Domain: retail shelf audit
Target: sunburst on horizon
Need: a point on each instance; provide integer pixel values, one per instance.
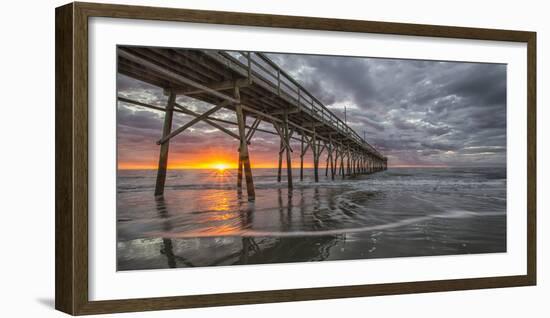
(220, 167)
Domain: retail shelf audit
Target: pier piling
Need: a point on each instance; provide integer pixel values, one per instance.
(163, 156)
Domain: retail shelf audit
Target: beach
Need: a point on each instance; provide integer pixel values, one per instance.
(202, 220)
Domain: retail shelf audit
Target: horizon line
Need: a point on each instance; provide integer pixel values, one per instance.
(275, 167)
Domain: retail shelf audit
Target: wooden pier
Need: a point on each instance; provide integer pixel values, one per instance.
(256, 89)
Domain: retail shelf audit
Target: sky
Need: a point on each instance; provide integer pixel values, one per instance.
(417, 113)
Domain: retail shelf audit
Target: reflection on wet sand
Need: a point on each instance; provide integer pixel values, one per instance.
(213, 226)
(167, 248)
(249, 251)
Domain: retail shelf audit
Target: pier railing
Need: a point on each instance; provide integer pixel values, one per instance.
(258, 67)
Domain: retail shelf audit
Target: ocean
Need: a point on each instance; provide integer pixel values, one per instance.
(403, 212)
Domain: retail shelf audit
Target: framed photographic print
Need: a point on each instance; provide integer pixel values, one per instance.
(218, 158)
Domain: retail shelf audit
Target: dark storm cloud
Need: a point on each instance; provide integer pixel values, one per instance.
(418, 112)
(138, 118)
(437, 145)
(415, 112)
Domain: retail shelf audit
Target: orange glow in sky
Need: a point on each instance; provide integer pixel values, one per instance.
(205, 165)
(219, 162)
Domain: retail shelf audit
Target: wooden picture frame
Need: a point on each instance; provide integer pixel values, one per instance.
(72, 280)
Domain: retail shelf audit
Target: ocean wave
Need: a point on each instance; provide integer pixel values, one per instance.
(374, 185)
(453, 214)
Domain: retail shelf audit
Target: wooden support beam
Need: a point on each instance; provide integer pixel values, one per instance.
(352, 172)
(169, 61)
(336, 165)
(280, 166)
(240, 174)
(322, 148)
(342, 169)
(331, 158)
(312, 124)
(279, 82)
(288, 156)
(326, 167)
(221, 86)
(163, 156)
(195, 58)
(179, 108)
(207, 120)
(314, 147)
(252, 129)
(243, 149)
(349, 161)
(328, 147)
(302, 152)
(172, 75)
(191, 123)
(249, 67)
(270, 100)
(275, 119)
(135, 102)
(280, 131)
(371, 165)
(336, 157)
(308, 142)
(172, 60)
(287, 111)
(240, 165)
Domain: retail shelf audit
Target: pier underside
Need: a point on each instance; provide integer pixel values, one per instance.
(258, 91)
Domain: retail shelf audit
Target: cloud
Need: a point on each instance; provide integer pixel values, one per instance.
(415, 111)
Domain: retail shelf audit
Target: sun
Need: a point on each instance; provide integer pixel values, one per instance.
(220, 166)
